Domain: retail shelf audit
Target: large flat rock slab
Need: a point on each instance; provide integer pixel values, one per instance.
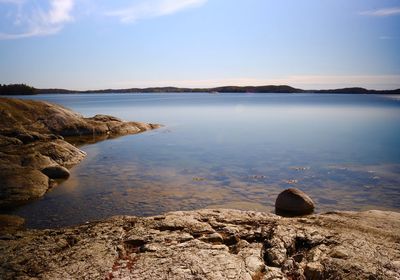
(211, 244)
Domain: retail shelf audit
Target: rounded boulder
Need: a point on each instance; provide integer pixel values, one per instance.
(293, 202)
(56, 172)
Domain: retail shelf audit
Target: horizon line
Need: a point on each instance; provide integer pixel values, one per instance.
(216, 87)
(201, 88)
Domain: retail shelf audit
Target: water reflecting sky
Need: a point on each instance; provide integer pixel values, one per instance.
(230, 150)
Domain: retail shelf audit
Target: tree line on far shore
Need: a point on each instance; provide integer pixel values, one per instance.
(17, 89)
(23, 89)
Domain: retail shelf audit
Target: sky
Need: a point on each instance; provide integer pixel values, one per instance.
(99, 44)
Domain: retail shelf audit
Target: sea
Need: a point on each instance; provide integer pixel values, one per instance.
(228, 150)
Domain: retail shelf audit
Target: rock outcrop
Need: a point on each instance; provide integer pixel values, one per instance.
(33, 151)
(210, 244)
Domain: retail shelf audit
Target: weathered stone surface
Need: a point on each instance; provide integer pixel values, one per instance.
(31, 139)
(35, 160)
(6, 141)
(314, 271)
(10, 224)
(20, 184)
(35, 120)
(211, 244)
(56, 172)
(293, 202)
(59, 151)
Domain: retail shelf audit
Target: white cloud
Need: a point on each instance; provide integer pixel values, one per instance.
(382, 12)
(153, 8)
(26, 18)
(35, 21)
(60, 11)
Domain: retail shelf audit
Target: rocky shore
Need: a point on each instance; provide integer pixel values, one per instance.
(210, 244)
(203, 244)
(33, 151)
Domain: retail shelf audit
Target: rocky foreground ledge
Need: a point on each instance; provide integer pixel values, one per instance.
(33, 151)
(210, 244)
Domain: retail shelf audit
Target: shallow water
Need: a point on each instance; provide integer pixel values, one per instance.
(229, 150)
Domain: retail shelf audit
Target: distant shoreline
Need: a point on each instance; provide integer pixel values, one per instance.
(20, 90)
(227, 89)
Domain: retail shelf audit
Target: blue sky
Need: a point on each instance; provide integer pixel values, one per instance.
(94, 44)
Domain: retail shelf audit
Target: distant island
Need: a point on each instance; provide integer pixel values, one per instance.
(22, 89)
(17, 89)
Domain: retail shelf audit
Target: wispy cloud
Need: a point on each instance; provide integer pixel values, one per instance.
(26, 18)
(153, 8)
(382, 12)
(37, 21)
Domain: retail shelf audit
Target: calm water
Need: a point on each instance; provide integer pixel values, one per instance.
(230, 150)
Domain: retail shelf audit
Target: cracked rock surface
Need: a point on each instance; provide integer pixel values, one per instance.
(32, 139)
(210, 244)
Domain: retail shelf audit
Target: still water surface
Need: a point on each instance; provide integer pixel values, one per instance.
(229, 150)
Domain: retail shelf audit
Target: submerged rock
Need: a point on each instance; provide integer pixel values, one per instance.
(210, 244)
(293, 202)
(32, 144)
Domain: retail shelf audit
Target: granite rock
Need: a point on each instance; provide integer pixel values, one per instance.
(293, 202)
(211, 244)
